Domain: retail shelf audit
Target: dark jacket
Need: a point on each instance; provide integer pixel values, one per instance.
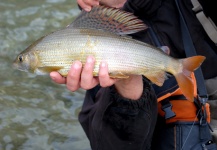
(112, 122)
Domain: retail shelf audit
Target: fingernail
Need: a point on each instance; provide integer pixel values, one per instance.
(103, 64)
(89, 59)
(76, 65)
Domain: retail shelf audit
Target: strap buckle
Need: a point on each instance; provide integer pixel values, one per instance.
(203, 117)
(167, 108)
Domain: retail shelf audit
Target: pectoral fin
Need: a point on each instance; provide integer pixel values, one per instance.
(47, 69)
(118, 75)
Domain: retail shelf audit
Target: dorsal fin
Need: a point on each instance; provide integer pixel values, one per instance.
(109, 19)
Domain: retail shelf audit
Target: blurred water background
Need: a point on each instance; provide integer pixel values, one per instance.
(35, 113)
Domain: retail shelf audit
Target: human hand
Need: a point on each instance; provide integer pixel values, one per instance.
(113, 3)
(83, 78)
(87, 4)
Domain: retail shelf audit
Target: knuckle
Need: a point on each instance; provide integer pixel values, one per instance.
(85, 87)
(72, 88)
(71, 76)
(103, 75)
(104, 84)
(86, 1)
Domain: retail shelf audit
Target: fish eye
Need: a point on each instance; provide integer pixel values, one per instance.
(20, 58)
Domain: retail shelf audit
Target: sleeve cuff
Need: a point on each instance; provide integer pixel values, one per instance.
(147, 95)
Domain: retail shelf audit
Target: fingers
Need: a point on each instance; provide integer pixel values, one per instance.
(104, 78)
(82, 77)
(56, 77)
(87, 79)
(73, 77)
(87, 4)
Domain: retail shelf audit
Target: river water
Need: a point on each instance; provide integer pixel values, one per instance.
(35, 113)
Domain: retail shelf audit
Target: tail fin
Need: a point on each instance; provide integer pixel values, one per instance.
(184, 79)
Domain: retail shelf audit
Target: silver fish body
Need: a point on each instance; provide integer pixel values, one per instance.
(101, 33)
(123, 55)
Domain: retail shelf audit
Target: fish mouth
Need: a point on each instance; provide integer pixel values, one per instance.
(16, 66)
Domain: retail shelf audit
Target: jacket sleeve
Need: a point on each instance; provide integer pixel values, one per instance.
(112, 122)
(144, 8)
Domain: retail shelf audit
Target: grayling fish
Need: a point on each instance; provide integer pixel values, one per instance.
(98, 33)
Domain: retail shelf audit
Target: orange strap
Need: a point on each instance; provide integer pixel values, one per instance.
(184, 109)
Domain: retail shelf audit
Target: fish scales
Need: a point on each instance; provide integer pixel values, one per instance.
(126, 52)
(102, 34)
